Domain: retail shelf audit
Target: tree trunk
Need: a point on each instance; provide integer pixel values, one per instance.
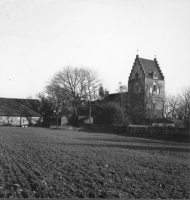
(90, 110)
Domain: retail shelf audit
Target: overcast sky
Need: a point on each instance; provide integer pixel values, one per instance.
(40, 37)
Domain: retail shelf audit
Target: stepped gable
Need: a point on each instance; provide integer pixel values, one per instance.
(155, 60)
(151, 66)
(148, 67)
(19, 107)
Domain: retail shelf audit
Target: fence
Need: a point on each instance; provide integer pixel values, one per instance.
(140, 130)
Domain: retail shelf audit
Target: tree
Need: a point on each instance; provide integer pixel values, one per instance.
(91, 88)
(178, 106)
(123, 99)
(172, 106)
(184, 106)
(165, 110)
(47, 107)
(103, 92)
(71, 81)
(107, 112)
(52, 99)
(71, 87)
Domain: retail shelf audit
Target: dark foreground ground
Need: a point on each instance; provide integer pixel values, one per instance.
(37, 163)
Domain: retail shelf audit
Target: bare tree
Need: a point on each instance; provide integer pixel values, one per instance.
(55, 95)
(123, 98)
(166, 107)
(47, 107)
(91, 88)
(103, 92)
(72, 86)
(172, 106)
(71, 82)
(184, 106)
(178, 106)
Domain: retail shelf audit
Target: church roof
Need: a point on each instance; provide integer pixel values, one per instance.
(19, 107)
(150, 66)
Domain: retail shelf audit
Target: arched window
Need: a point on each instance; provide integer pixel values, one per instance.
(155, 76)
(137, 88)
(154, 89)
(150, 89)
(137, 75)
(158, 90)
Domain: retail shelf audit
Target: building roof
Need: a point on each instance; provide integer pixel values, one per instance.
(19, 107)
(115, 96)
(149, 67)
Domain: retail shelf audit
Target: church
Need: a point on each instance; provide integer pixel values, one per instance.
(146, 91)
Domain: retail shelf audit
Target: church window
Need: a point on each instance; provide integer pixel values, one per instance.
(150, 74)
(158, 90)
(137, 75)
(155, 76)
(137, 88)
(150, 90)
(154, 89)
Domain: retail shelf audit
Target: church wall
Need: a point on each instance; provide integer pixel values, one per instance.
(159, 83)
(155, 106)
(136, 82)
(139, 87)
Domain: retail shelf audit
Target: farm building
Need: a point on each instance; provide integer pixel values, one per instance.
(20, 112)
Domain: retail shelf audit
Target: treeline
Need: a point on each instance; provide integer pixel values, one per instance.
(78, 91)
(178, 106)
(72, 91)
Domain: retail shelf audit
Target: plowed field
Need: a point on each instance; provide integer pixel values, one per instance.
(37, 163)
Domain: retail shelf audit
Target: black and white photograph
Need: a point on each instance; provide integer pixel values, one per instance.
(95, 99)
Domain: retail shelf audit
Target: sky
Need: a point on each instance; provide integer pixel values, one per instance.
(40, 37)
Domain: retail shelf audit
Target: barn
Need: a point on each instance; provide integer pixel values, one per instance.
(20, 112)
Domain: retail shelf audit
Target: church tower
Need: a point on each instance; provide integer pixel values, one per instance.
(146, 88)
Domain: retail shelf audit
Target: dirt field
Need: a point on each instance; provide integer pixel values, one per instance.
(37, 162)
